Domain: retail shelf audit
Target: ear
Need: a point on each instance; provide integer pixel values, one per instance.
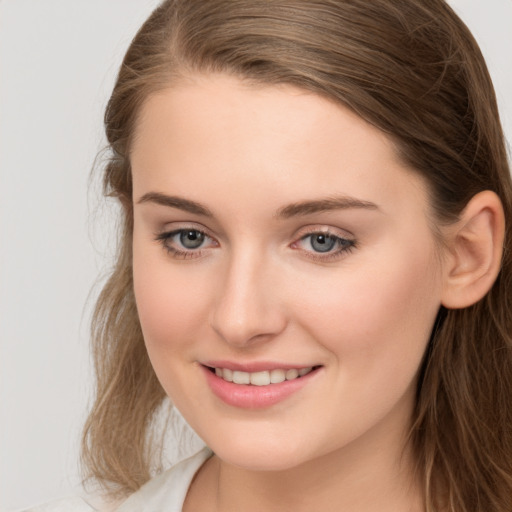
(474, 251)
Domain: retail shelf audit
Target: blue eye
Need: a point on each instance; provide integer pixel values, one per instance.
(191, 238)
(321, 242)
(324, 245)
(185, 243)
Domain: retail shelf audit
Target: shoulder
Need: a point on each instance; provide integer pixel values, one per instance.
(74, 504)
(168, 490)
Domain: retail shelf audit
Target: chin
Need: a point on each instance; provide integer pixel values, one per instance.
(260, 454)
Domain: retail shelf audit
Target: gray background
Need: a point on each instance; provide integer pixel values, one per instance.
(58, 59)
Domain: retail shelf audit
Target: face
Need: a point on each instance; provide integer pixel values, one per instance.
(280, 243)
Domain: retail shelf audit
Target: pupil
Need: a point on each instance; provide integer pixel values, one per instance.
(322, 243)
(191, 239)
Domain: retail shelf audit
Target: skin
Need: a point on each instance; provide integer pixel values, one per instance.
(256, 290)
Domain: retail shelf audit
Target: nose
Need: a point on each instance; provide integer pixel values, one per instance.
(248, 307)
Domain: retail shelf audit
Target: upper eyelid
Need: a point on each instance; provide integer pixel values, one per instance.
(350, 240)
(173, 232)
(329, 230)
(192, 226)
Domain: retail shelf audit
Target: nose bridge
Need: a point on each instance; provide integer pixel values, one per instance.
(247, 308)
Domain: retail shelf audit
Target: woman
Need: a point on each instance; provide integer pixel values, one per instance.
(314, 264)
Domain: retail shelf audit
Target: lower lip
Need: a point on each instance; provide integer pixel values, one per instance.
(255, 397)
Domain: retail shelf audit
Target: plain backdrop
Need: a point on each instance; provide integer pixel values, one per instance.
(58, 60)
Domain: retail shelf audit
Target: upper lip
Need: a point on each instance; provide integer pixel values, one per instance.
(255, 366)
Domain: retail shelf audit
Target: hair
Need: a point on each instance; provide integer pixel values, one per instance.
(410, 68)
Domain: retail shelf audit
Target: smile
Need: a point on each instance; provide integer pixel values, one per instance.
(257, 389)
(263, 378)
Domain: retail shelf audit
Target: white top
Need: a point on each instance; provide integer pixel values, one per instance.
(165, 492)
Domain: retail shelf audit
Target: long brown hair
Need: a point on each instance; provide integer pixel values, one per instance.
(410, 68)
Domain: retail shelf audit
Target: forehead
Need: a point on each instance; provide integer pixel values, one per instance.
(280, 141)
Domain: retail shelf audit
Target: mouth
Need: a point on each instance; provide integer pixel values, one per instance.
(261, 378)
(257, 389)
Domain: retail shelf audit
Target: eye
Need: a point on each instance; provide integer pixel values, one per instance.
(185, 243)
(321, 242)
(191, 238)
(324, 245)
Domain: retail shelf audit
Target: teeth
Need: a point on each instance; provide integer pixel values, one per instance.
(260, 378)
(277, 376)
(263, 378)
(292, 374)
(241, 377)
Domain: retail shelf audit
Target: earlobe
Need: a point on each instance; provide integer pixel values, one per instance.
(475, 248)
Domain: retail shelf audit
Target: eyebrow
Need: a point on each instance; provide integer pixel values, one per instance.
(292, 210)
(324, 205)
(176, 202)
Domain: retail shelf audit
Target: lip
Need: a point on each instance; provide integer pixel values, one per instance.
(254, 397)
(257, 366)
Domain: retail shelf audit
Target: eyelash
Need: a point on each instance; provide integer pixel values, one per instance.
(344, 245)
(166, 237)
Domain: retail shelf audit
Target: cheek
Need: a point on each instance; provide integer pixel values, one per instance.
(168, 303)
(379, 311)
